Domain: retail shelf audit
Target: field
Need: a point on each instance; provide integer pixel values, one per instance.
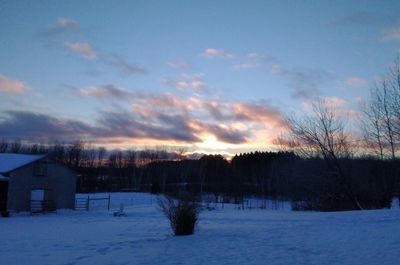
(223, 236)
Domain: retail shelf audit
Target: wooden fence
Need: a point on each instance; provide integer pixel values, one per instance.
(83, 203)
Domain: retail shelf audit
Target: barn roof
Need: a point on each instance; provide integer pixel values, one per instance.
(2, 178)
(10, 162)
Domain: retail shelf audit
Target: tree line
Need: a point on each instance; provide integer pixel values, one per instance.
(311, 183)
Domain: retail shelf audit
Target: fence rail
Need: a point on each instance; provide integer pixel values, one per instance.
(83, 203)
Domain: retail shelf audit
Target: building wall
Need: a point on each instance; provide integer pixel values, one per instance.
(19, 188)
(59, 183)
(63, 185)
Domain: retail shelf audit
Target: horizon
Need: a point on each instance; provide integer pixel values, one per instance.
(210, 77)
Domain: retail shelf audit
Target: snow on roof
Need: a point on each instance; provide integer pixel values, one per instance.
(2, 178)
(9, 162)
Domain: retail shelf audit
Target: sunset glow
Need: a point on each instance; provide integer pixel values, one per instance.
(221, 79)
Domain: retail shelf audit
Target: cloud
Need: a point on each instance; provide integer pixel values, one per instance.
(11, 86)
(160, 126)
(62, 25)
(334, 102)
(178, 65)
(195, 81)
(256, 113)
(305, 83)
(220, 119)
(391, 34)
(106, 92)
(227, 121)
(123, 66)
(31, 126)
(260, 113)
(86, 50)
(355, 82)
(339, 106)
(357, 18)
(165, 118)
(255, 60)
(216, 53)
(83, 49)
(39, 127)
(375, 19)
(224, 134)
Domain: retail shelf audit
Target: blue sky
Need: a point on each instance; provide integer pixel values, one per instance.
(213, 76)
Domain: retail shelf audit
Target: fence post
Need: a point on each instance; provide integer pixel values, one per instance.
(109, 199)
(87, 203)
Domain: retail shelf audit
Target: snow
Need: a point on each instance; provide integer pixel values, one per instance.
(9, 162)
(223, 236)
(2, 178)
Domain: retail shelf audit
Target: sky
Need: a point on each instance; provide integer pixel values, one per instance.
(207, 76)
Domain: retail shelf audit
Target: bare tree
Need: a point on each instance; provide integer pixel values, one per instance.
(382, 114)
(16, 147)
(373, 127)
(3, 145)
(322, 133)
(394, 83)
(101, 152)
(75, 154)
(90, 156)
(385, 96)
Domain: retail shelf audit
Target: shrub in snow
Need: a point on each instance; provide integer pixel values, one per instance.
(182, 213)
(120, 212)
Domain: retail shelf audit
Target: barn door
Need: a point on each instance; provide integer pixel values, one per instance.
(37, 199)
(3, 195)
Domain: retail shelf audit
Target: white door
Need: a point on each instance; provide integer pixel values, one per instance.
(37, 198)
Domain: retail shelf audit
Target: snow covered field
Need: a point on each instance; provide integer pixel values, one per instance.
(226, 236)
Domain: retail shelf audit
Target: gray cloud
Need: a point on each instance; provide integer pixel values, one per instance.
(227, 135)
(123, 66)
(246, 112)
(185, 81)
(38, 127)
(32, 126)
(178, 64)
(365, 19)
(163, 127)
(305, 83)
(157, 117)
(105, 92)
(255, 60)
(86, 50)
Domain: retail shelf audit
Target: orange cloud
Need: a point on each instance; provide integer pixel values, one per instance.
(84, 49)
(216, 53)
(355, 82)
(11, 86)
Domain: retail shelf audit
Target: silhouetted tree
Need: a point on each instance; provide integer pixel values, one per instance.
(322, 134)
(3, 145)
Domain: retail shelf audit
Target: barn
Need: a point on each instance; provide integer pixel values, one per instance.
(34, 183)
